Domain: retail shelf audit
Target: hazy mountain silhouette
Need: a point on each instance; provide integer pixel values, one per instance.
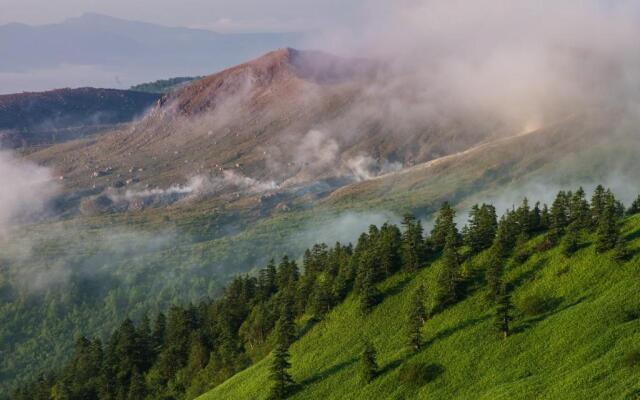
(98, 50)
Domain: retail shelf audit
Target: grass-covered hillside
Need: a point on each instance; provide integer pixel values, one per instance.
(575, 335)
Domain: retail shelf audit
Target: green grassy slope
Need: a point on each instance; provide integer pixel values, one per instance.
(575, 349)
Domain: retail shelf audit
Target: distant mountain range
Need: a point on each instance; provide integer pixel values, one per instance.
(98, 50)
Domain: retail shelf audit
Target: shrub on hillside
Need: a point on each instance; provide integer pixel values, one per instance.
(522, 255)
(419, 374)
(534, 304)
(632, 359)
(545, 244)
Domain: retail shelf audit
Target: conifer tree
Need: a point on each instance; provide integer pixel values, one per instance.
(287, 275)
(304, 292)
(571, 240)
(505, 236)
(597, 204)
(144, 344)
(322, 300)
(369, 363)
(137, 388)
(608, 230)
(482, 228)
(286, 326)
(503, 311)
(416, 318)
(536, 218)
(279, 372)
(267, 281)
(523, 219)
(558, 217)
(493, 274)
(158, 334)
(124, 344)
(448, 280)
(343, 281)
(412, 243)
(282, 381)
(635, 207)
(621, 252)
(390, 249)
(369, 294)
(545, 218)
(521, 251)
(443, 226)
(255, 328)
(579, 210)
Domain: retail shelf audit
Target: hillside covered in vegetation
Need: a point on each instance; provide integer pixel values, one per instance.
(163, 85)
(541, 302)
(56, 116)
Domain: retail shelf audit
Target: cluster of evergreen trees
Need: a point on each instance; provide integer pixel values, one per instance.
(192, 349)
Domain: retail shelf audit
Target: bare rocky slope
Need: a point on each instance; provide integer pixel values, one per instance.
(291, 121)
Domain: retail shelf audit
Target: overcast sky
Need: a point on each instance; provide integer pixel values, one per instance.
(219, 15)
(390, 28)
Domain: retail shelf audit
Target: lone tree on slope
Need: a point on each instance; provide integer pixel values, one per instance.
(369, 363)
(416, 318)
(503, 311)
(282, 381)
(449, 277)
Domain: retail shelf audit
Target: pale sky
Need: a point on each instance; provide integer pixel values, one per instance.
(219, 15)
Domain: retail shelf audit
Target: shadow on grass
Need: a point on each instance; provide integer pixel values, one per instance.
(633, 235)
(450, 331)
(308, 326)
(325, 374)
(418, 374)
(414, 374)
(529, 274)
(552, 307)
(396, 289)
(394, 364)
(583, 245)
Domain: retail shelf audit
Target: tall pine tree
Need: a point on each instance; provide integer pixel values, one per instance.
(571, 240)
(415, 319)
(369, 294)
(279, 372)
(444, 225)
(412, 243)
(503, 311)
(493, 274)
(608, 227)
(449, 278)
(369, 362)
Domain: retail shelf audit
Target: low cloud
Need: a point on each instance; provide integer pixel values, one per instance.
(344, 228)
(27, 190)
(198, 186)
(78, 252)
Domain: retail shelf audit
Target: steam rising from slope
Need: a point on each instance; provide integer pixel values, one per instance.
(523, 62)
(200, 185)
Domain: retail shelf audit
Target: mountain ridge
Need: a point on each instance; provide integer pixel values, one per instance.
(112, 51)
(45, 118)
